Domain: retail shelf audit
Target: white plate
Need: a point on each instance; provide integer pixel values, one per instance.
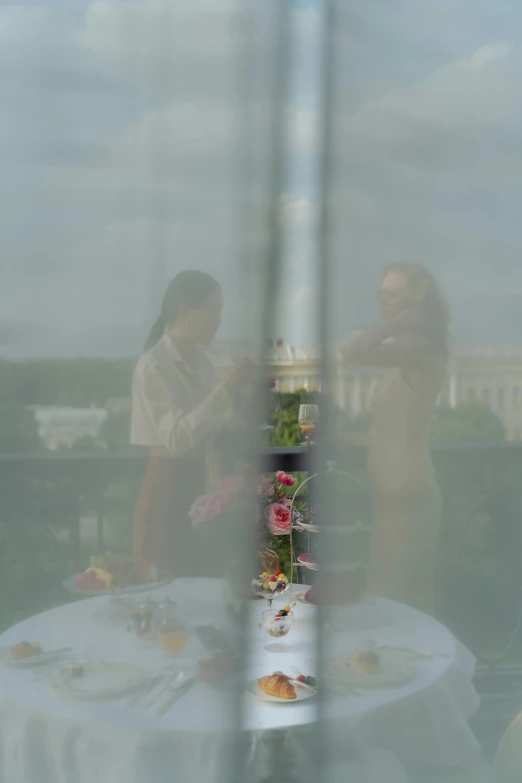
(393, 672)
(99, 681)
(301, 694)
(311, 566)
(34, 660)
(331, 529)
(364, 600)
(300, 598)
(70, 584)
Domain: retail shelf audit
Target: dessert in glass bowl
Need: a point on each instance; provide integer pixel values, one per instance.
(270, 586)
(277, 624)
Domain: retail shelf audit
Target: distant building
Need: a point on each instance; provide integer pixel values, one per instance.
(117, 405)
(63, 426)
(492, 376)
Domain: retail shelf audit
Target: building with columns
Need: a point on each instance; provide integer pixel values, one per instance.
(490, 376)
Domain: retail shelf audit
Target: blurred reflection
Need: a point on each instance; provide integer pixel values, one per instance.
(411, 343)
(178, 406)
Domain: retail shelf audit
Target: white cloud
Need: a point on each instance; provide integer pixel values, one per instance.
(121, 133)
(440, 121)
(165, 47)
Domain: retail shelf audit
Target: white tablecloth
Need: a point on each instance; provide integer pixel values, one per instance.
(46, 738)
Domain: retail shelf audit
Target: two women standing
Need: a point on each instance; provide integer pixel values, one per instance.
(179, 406)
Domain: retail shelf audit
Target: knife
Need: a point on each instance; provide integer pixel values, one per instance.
(178, 693)
(144, 691)
(303, 685)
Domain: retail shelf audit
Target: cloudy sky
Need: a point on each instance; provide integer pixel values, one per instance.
(127, 155)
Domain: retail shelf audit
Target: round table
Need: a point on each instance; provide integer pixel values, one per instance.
(46, 737)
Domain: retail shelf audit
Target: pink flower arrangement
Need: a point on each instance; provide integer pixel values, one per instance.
(278, 519)
(265, 487)
(215, 504)
(273, 504)
(285, 478)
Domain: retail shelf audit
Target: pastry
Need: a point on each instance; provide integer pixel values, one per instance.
(269, 560)
(25, 650)
(366, 662)
(277, 685)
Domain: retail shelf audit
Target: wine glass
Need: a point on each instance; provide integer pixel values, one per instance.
(308, 417)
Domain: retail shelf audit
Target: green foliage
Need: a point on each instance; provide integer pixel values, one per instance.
(18, 428)
(468, 422)
(115, 431)
(66, 382)
(287, 431)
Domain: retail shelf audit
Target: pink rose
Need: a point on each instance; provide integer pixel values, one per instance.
(285, 478)
(278, 519)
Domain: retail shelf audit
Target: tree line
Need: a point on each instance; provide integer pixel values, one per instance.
(80, 383)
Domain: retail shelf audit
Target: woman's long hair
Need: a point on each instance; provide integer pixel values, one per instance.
(436, 312)
(188, 287)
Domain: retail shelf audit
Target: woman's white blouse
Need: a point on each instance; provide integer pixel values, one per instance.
(174, 405)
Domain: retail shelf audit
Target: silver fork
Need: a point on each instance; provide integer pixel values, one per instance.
(295, 671)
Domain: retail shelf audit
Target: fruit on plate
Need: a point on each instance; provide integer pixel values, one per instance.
(25, 650)
(115, 571)
(90, 580)
(366, 662)
(306, 558)
(277, 685)
(311, 681)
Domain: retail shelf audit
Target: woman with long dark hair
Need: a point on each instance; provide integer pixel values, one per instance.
(411, 345)
(178, 405)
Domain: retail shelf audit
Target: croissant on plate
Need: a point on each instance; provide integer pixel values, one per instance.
(277, 685)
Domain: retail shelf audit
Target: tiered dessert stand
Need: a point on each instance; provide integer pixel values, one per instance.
(301, 526)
